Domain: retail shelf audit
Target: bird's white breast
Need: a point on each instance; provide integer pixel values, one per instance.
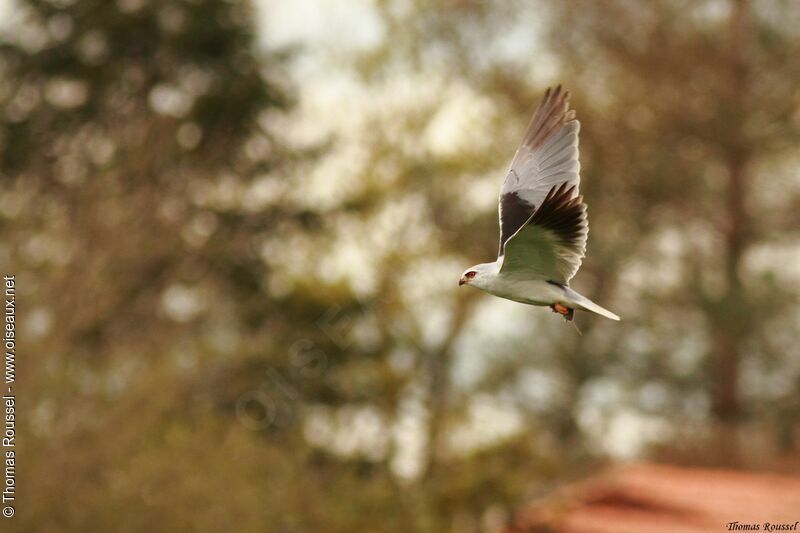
(528, 291)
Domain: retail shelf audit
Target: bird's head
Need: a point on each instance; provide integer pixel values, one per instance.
(477, 275)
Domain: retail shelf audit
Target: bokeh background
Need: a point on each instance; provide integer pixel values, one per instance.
(237, 229)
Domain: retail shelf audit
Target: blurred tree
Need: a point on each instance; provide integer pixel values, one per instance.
(680, 136)
(694, 117)
(241, 315)
(139, 169)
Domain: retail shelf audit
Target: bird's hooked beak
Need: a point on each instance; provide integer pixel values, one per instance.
(462, 281)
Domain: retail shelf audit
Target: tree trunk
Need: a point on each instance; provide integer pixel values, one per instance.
(730, 321)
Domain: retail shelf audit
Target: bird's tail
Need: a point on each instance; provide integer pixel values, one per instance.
(582, 302)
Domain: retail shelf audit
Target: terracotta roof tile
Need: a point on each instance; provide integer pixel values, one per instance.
(656, 498)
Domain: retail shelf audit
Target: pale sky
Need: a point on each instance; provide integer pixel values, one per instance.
(343, 24)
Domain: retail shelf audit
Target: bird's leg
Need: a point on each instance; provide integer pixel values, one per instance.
(563, 310)
(567, 313)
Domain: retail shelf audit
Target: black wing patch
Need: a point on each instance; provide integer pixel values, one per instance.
(514, 213)
(551, 115)
(563, 214)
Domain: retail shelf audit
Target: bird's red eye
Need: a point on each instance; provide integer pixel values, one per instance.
(470, 274)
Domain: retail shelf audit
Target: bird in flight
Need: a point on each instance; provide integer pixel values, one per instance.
(543, 224)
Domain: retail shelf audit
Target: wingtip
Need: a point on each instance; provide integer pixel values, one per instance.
(558, 91)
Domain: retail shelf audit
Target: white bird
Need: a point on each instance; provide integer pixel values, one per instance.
(543, 224)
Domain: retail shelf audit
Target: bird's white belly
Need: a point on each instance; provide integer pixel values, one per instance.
(532, 291)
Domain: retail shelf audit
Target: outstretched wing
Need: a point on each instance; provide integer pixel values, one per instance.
(552, 242)
(546, 158)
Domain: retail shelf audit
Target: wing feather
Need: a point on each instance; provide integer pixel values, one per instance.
(547, 157)
(552, 242)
